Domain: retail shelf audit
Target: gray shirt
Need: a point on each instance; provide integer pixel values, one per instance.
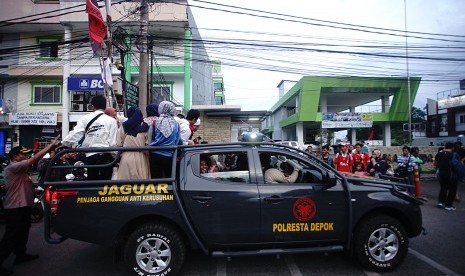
(18, 185)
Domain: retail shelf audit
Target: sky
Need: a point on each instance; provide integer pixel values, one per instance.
(291, 39)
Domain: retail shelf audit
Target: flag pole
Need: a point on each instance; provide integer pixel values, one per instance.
(97, 33)
(109, 54)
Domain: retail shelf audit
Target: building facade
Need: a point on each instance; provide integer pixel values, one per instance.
(446, 115)
(49, 73)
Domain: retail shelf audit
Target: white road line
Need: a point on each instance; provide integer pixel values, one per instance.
(371, 273)
(432, 263)
(221, 267)
(293, 268)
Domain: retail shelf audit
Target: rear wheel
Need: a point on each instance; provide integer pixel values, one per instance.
(380, 243)
(155, 249)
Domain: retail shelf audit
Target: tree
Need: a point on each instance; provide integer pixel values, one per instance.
(418, 115)
(399, 136)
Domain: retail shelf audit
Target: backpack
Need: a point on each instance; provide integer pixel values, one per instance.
(402, 170)
(457, 166)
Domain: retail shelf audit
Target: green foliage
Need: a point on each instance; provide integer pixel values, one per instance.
(398, 135)
(418, 115)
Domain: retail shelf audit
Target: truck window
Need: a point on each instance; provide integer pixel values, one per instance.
(228, 167)
(284, 164)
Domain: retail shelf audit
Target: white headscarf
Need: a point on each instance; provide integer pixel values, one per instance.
(166, 122)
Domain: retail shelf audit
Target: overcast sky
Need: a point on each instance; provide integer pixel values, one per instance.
(287, 41)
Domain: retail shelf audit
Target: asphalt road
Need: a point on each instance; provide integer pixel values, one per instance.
(440, 252)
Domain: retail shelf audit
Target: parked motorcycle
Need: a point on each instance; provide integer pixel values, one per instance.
(37, 212)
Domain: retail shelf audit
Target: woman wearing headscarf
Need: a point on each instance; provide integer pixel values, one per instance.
(163, 132)
(133, 133)
(152, 113)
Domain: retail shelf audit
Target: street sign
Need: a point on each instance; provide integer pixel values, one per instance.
(130, 93)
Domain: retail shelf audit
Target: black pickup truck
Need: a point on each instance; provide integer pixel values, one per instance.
(231, 210)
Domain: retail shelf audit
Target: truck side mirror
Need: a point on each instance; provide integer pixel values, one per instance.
(331, 179)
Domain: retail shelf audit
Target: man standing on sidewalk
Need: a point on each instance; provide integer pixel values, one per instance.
(447, 178)
(406, 165)
(18, 203)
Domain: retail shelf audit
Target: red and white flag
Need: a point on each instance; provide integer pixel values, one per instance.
(372, 134)
(97, 29)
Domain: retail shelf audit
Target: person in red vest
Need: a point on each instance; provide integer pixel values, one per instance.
(360, 157)
(343, 160)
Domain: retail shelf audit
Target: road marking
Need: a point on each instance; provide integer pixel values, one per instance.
(293, 268)
(432, 263)
(371, 273)
(221, 267)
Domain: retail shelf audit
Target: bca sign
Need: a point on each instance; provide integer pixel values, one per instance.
(85, 84)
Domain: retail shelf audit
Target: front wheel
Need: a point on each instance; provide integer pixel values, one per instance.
(155, 249)
(380, 243)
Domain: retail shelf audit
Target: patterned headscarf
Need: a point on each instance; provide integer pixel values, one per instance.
(166, 122)
(134, 124)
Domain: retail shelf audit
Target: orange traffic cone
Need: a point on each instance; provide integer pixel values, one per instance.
(416, 174)
(417, 182)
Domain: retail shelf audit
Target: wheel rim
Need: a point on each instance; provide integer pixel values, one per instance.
(383, 244)
(153, 255)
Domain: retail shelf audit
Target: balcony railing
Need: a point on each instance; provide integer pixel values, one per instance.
(450, 93)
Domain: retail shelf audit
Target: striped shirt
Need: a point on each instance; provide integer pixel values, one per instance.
(406, 161)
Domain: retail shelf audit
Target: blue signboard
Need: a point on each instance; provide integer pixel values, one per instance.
(85, 84)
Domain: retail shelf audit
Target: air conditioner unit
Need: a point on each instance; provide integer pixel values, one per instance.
(78, 97)
(78, 107)
(89, 107)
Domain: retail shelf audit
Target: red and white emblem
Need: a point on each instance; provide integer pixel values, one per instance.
(304, 209)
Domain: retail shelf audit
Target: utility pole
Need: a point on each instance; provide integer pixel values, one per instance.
(143, 66)
(66, 74)
(408, 79)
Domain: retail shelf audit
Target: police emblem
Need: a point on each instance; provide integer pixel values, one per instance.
(304, 209)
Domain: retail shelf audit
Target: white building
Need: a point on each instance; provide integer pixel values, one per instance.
(46, 56)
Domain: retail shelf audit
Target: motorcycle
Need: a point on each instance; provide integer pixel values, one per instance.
(37, 211)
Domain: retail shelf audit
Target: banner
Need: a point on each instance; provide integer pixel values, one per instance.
(346, 120)
(34, 118)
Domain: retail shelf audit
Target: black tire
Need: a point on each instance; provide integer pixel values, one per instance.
(160, 248)
(380, 243)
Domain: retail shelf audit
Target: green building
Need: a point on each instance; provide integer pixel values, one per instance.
(314, 107)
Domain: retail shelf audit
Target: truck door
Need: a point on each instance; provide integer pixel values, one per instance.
(221, 196)
(304, 209)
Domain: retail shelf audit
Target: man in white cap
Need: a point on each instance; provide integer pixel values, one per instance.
(195, 127)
